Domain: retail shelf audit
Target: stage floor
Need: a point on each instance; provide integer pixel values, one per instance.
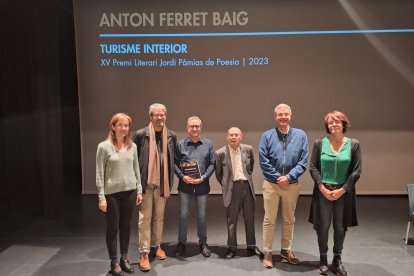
(75, 244)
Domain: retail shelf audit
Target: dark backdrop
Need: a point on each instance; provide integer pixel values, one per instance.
(40, 149)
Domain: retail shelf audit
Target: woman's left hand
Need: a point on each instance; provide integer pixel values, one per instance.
(336, 194)
(139, 199)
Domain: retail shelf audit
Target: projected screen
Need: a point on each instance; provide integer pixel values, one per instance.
(232, 62)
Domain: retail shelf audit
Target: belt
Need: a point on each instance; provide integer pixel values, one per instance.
(332, 187)
(290, 182)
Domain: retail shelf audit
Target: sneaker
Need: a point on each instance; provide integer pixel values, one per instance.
(289, 256)
(180, 250)
(144, 263)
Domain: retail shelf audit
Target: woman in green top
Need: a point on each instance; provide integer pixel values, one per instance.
(335, 168)
(119, 187)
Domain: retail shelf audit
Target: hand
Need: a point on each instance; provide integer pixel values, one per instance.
(336, 194)
(283, 182)
(188, 180)
(139, 199)
(102, 205)
(197, 181)
(326, 193)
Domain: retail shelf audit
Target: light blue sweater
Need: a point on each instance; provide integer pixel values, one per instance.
(278, 158)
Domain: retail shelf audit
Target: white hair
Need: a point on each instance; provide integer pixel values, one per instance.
(282, 105)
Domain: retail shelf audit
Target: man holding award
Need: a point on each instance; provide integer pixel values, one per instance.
(195, 161)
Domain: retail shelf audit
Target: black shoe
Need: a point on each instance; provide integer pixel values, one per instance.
(323, 265)
(179, 250)
(204, 250)
(116, 269)
(126, 266)
(337, 266)
(230, 253)
(251, 251)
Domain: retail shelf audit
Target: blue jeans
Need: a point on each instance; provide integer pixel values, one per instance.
(185, 207)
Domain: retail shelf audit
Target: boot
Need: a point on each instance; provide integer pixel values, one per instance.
(116, 269)
(144, 262)
(337, 266)
(323, 265)
(125, 265)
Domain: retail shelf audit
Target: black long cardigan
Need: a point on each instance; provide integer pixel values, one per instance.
(350, 215)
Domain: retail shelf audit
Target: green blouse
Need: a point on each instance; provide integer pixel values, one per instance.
(335, 167)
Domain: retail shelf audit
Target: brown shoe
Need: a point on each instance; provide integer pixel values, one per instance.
(144, 263)
(289, 256)
(268, 260)
(160, 254)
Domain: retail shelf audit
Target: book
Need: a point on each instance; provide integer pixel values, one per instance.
(191, 169)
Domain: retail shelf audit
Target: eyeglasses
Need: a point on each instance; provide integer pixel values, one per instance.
(194, 126)
(158, 115)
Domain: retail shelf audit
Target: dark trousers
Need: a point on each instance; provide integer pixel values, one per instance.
(331, 210)
(120, 208)
(241, 199)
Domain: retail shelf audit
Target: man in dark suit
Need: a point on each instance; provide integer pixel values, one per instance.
(234, 168)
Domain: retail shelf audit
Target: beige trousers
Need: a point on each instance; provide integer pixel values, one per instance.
(272, 196)
(151, 218)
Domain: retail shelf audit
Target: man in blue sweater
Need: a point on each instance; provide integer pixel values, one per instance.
(283, 156)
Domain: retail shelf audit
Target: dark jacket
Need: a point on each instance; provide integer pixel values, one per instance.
(202, 152)
(141, 138)
(350, 215)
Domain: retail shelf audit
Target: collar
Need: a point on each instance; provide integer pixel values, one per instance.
(235, 151)
(279, 131)
(188, 140)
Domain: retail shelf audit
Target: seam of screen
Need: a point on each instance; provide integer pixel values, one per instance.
(263, 33)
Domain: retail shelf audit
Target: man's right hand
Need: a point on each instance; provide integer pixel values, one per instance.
(102, 205)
